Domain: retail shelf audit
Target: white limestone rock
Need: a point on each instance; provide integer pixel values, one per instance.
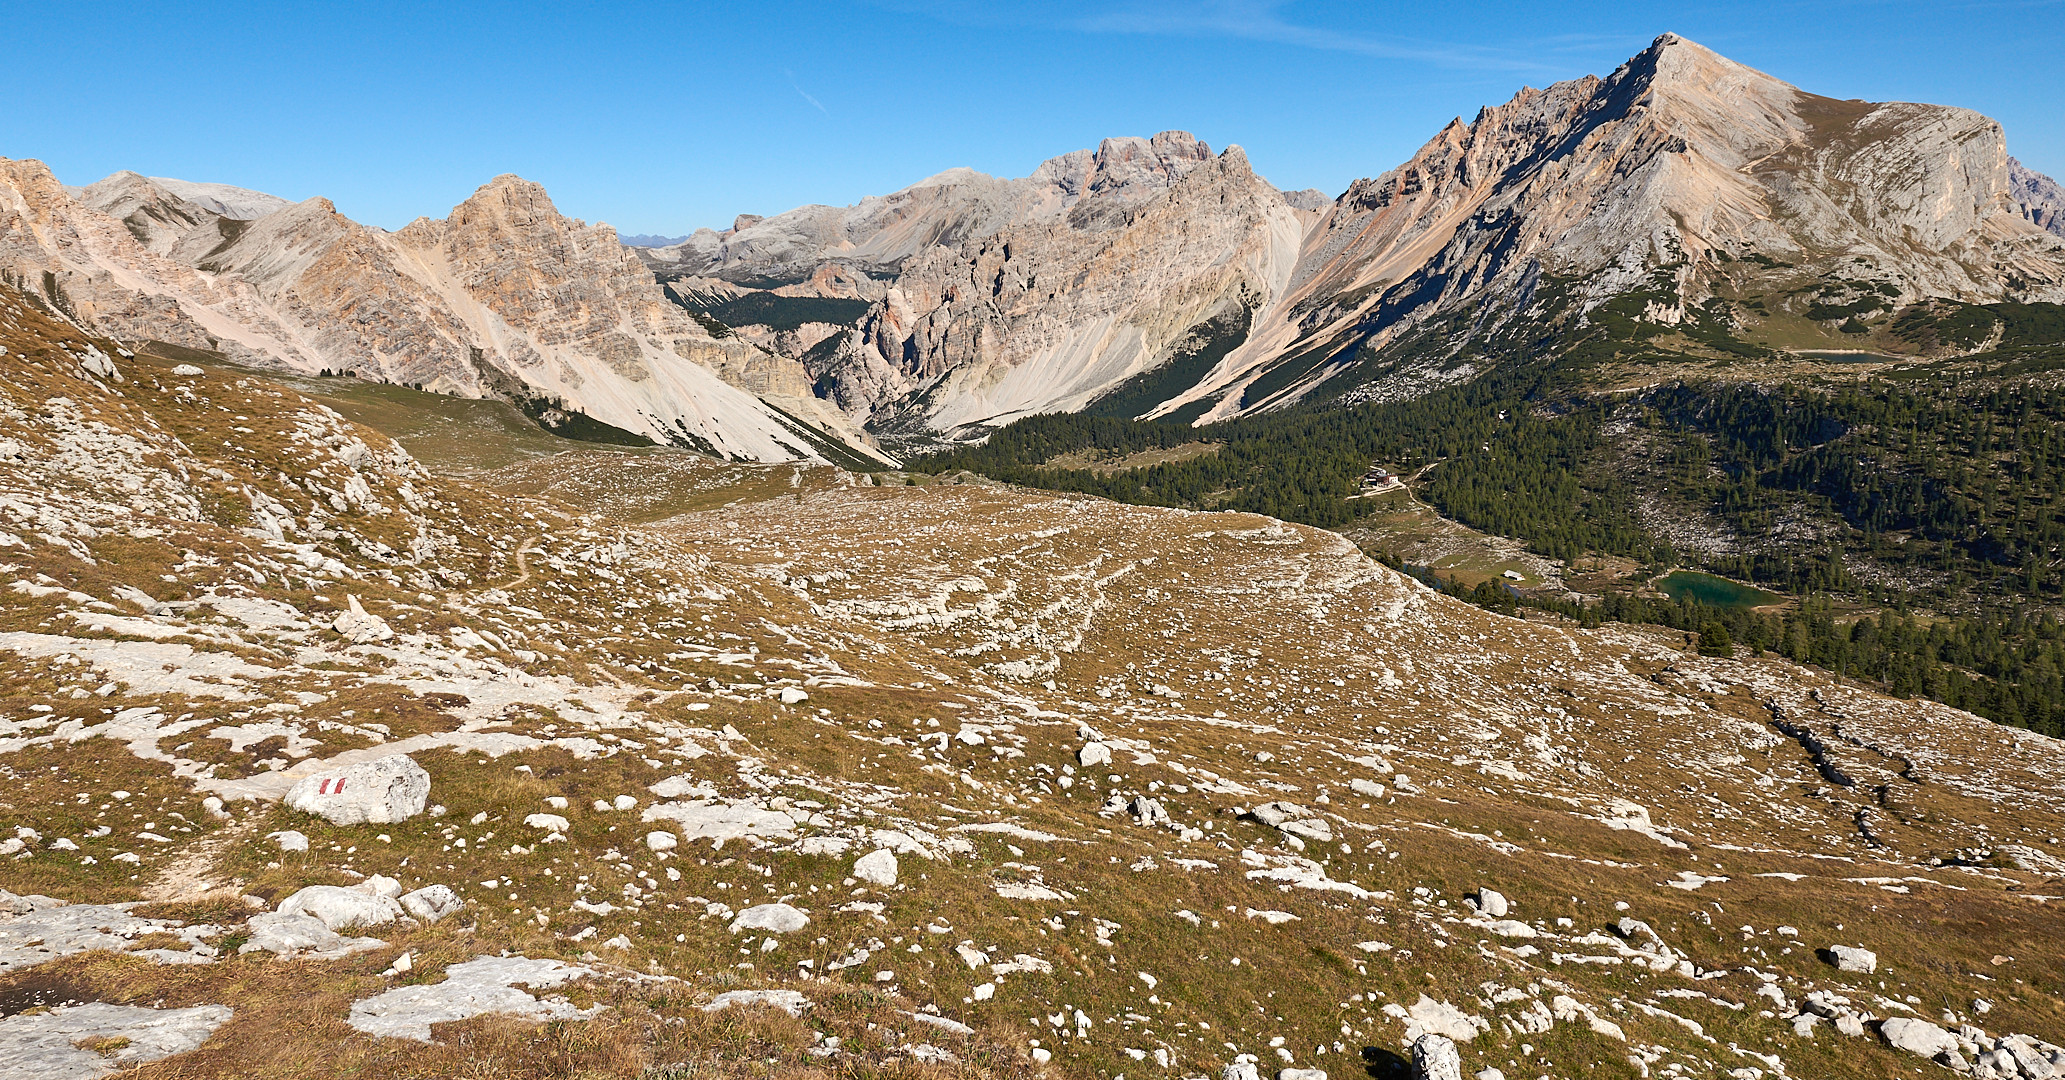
(35, 929)
(1492, 904)
(789, 1001)
(295, 933)
(877, 867)
(772, 918)
(721, 820)
(1093, 754)
(431, 902)
(1917, 1036)
(486, 984)
(54, 1044)
(361, 627)
(383, 791)
(341, 907)
(1848, 958)
(1436, 1058)
(1440, 1018)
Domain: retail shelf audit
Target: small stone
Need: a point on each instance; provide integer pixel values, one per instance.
(1301, 1074)
(793, 695)
(1492, 904)
(662, 841)
(1240, 1070)
(290, 840)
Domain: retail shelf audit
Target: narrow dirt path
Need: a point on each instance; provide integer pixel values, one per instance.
(523, 568)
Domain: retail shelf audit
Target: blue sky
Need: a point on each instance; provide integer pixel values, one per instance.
(660, 117)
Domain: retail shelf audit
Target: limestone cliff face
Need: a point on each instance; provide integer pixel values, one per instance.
(880, 233)
(505, 297)
(1047, 315)
(1007, 297)
(1679, 162)
(2037, 197)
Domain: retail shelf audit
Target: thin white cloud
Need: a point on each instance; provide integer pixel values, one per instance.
(814, 103)
(1263, 20)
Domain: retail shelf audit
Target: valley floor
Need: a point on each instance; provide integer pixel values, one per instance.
(1160, 791)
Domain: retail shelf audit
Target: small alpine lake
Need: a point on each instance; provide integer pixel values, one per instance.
(1714, 592)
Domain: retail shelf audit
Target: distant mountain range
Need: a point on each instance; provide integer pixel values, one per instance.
(1150, 277)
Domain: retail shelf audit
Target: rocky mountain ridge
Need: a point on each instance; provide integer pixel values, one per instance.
(1681, 173)
(505, 298)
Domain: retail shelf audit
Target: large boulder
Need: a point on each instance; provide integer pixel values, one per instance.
(383, 791)
(1435, 1058)
(1093, 754)
(1846, 958)
(773, 918)
(1492, 904)
(1916, 1036)
(339, 907)
(877, 867)
(361, 627)
(291, 933)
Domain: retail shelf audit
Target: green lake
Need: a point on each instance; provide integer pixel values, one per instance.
(1683, 585)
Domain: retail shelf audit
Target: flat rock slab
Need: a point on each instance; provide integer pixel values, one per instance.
(45, 1046)
(722, 821)
(487, 984)
(60, 929)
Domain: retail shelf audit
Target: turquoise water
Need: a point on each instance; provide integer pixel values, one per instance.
(1683, 585)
